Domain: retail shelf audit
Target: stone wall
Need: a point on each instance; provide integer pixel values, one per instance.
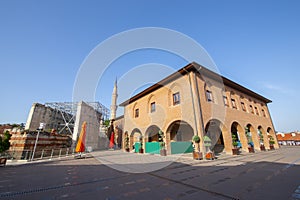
(92, 118)
(22, 143)
(53, 118)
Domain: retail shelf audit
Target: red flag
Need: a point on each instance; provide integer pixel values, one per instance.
(112, 140)
(80, 147)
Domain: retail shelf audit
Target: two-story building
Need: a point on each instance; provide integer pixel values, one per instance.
(197, 101)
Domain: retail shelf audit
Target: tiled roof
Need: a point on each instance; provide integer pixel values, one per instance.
(203, 71)
(288, 137)
(3, 127)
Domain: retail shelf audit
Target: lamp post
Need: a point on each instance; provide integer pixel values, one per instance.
(41, 127)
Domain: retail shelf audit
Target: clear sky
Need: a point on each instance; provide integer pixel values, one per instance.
(44, 43)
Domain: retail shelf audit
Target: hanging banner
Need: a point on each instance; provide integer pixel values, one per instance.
(80, 147)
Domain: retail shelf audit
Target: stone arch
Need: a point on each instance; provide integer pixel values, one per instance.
(264, 139)
(252, 136)
(238, 131)
(270, 132)
(175, 87)
(233, 98)
(216, 131)
(151, 99)
(151, 133)
(119, 135)
(207, 85)
(135, 105)
(178, 131)
(134, 137)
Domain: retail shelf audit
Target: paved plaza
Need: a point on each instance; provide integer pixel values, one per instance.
(117, 175)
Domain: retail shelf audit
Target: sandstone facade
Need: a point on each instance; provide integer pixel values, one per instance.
(197, 101)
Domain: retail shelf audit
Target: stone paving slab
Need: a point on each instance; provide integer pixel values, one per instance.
(263, 175)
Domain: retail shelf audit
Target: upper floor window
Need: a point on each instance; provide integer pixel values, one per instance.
(256, 111)
(233, 103)
(209, 96)
(153, 107)
(243, 106)
(251, 109)
(263, 112)
(136, 113)
(225, 99)
(176, 98)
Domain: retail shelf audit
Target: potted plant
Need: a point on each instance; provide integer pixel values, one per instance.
(207, 143)
(197, 155)
(271, 142)
(250, 143)
(163, 151)
(261, 140)
(126, 142)
(141, 150)
(235, 149)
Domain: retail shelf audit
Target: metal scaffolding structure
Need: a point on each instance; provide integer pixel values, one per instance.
(64, 115)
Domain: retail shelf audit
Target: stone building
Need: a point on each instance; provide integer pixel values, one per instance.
(118, 128)
(197, 101)
(92, 117)
(52, 117)
(67, 118)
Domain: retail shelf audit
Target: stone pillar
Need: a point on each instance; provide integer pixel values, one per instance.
(198, 112)
(243, 138)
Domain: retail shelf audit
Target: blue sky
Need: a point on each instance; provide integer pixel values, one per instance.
(44, 43)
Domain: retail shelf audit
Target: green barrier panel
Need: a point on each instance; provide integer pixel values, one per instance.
(181, 147)
(137, 147)
(152, 147)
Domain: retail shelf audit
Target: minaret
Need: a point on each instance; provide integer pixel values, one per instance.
(113, 107)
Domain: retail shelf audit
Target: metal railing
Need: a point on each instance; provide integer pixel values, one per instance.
(40, 154)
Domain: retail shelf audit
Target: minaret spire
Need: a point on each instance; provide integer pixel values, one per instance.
(113, 107)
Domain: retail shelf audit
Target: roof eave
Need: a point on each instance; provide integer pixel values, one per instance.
(202, 70)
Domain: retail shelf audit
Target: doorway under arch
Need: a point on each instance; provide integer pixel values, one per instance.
(236, 131)
(272, 137)
(239, 132)
(263, 138)
(152, 144)
(152, 133)
(135, 136)
(213, 130)
(270, 131)
(179, 137)
(180, 131)
(252, 137)
(261, 134)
